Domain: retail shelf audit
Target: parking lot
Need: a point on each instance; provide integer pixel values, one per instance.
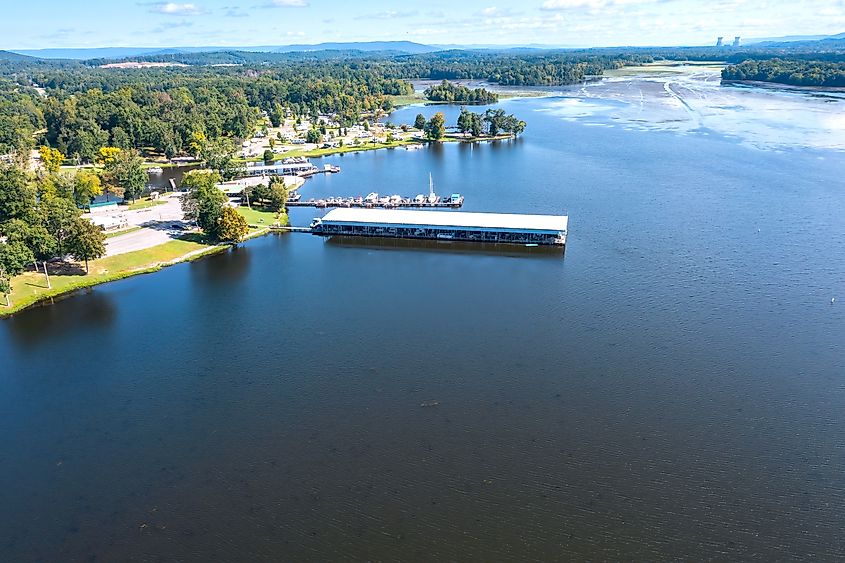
(159, 225)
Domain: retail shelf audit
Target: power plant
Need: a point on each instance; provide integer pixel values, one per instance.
(720, 42)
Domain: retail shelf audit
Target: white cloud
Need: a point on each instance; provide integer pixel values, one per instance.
(388, 15)
(175, 9)
(286, 4)
(554, 5)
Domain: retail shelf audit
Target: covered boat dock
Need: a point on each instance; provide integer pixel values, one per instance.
(445, 225)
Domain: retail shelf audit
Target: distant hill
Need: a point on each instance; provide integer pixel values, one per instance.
(128, 52)
(9, 56)
(395, 46)
(793, 40)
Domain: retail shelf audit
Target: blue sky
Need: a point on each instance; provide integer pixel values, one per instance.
(36, 24)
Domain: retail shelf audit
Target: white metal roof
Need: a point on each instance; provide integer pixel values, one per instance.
(556, 223)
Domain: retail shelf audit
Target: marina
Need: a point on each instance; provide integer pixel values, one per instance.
(295, 166)
(374, 200)
(508, 228)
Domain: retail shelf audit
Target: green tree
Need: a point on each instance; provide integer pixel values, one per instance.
(419, 122)
(86, 186)
(87, 241)
(59, 216)
(56, 185)
(17, 193)
(204, 201)
(269, 157)
(14, 256)
(220, 155)
(435, 129)
(465, 121)
(313, 136)
(52, 159)
(127, 174)
(35, 237)
(232, 226)
(278, 194)
(198, 143)
(5, 287)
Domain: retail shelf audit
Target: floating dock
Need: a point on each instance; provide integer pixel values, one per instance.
(373, 201)
(289, 167)
(547, 230)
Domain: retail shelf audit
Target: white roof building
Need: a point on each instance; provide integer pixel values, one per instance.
(456, 219)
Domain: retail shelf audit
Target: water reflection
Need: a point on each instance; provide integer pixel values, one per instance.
(85, 309)
(455, 247)
(225, 268)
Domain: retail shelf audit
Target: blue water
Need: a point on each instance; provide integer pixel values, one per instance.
(671, 388)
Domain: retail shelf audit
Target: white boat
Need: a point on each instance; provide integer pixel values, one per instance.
(372, 197)
(432, 197)
(155, 170)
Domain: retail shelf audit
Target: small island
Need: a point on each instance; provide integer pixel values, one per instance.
(456, 93)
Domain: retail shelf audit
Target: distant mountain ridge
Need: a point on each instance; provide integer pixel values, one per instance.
(10, 56)
(126, 52)
(794, 39)
(397, 47)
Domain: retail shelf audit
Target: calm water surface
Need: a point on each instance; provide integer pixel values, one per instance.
(674, 387)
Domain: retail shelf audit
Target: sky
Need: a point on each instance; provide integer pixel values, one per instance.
(34, 24)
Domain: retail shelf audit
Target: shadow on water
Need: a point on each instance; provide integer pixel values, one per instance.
(224, 268)
(45, 323)
(455, 247)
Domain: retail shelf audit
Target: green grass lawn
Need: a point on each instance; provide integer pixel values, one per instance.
(123, 232)
(399, 101)
(144, 204)
(30, 287)
(257, 217)
(339, 150)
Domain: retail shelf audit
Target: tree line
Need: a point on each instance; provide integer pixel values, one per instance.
(448, 92)
(40, 222)
(492, 122)
(795, 73)
(79, 107)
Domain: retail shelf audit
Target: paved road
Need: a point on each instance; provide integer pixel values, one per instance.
(136, 240)
(170, 211)
(156, 222)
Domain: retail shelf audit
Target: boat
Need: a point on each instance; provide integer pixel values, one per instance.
(155, 170)
(432, 197)
(372, 197)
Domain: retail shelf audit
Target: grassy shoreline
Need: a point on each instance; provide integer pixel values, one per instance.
(30, 288)
(316, 153)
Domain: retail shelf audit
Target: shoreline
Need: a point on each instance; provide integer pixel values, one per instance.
(89, 280)
(783, 86)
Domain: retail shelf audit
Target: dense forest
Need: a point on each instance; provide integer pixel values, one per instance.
(161, 109)
(455, 93)
(79, 107)
(796, 73)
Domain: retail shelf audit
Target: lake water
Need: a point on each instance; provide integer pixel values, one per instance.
(672, 388)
